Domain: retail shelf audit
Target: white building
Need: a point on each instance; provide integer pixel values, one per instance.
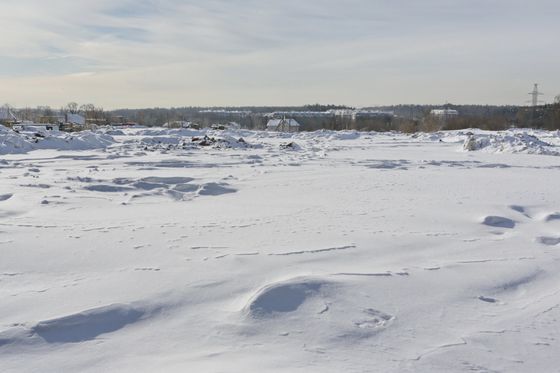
(304, 114)
(283, 125)
(444, 113)
(75, 119)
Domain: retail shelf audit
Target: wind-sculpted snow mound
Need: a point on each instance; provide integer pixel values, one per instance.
(331, 311)
(80, 327)
(12, 142)
(509, 143)
(89, 324)
(283, 297)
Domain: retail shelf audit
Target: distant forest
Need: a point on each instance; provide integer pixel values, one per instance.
(417, 117)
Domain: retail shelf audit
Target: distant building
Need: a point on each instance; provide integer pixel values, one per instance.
(300, 114)
(283, 125)
(117, 120)
(371, 114)
(226, 113)
(75, 119)
(444, 113)
(354, 113)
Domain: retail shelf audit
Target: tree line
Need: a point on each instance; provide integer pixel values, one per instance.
(46, 114)
(407, 118)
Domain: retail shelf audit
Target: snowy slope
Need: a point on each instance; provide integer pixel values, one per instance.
(180, 250)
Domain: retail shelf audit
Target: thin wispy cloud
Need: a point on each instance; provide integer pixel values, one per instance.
(168, 53)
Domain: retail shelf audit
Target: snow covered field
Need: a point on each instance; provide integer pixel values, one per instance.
(145, 251)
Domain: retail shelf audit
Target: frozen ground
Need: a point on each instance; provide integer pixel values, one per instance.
(146, 251)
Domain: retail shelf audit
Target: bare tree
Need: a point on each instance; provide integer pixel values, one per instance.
(26, 114)
(72, 108)
(47, 114)
(46, 110)
(88, 110)
(6, 109)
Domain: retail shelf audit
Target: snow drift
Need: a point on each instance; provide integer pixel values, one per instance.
(12, 142)
(509, 142)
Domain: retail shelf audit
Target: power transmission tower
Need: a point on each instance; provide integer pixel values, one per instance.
(535, 103)
(535, 95)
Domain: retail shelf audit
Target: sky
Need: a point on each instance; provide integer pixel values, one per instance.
(170, 53)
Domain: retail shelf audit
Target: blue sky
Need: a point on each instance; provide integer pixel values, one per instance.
(124, 53)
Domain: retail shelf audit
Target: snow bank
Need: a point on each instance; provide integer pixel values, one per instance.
(444, 136)
(75, 141)
(12, 142)
(509, 142)
(180, 132)
(162, 139)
